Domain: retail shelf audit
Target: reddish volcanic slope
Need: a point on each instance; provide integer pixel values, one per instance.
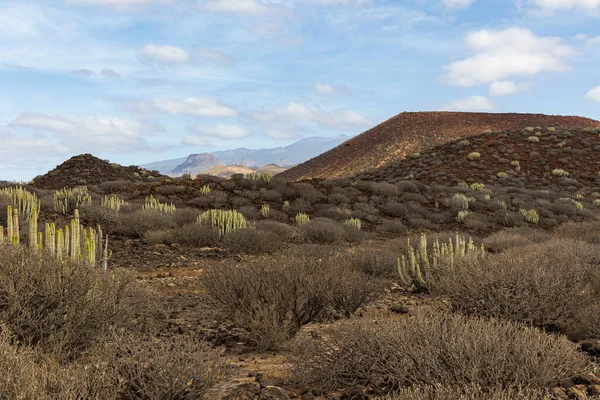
(410, 132)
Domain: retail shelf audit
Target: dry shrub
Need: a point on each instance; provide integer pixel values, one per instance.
(379, 263)
(252, 241)
(158, 236)
(160, 368)
(545, 284)
(436, 348)
(273, 298)
(284, 231)
(393, 226)
(323, 231)
(514, 237)
(26, 375)
(138, 222)
(586, 231)
(60, 307)
(196, 235)
(471, 392)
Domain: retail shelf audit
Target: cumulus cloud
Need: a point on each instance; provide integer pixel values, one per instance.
(295, 113)
(457, 4)
(473, 103)
(195, 140)
(165, 54)
(118, 5)
(87, 133)
(503, 88)
(558, 5)
(214, 56)
(594, 94)
(248, 7)
(324, 88)
(205, 106)
(500, 54)
(222, 131)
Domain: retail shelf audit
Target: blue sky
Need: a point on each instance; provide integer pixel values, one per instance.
(136, 81)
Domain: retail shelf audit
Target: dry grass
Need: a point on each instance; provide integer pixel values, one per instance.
(471, 392)
(435, 348)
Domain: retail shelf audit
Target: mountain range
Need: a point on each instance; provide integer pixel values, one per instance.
(285, 156)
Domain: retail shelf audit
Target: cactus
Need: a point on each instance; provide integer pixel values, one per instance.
(354, 222)
(205, 190)
(551, 129)
(152, 203)
(533, 139)
(302, 218)
(265, 210)
(531, 216)
(21, 199)
(224, 221)
(266, 176)
(487, 197)
(464, 143)
(474, 155)
(530, 129)
(516, 165)
(459, 200)
(502, 174)
(286, 205)
(253, 176)
(33, 230)
(417, 267)
(559, 172)
(113, 202)
(462, 216)
(596, 203)
(67, 200)
(477, 187)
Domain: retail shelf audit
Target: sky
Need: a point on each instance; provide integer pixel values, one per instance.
(136, 81)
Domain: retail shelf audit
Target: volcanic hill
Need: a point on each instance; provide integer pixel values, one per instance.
(411, 132)
(85, 169)
(543, 158)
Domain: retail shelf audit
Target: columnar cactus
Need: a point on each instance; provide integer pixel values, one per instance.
(152, 203)
(113, 202)
(416, 268)
(265, 210)
(21, 199)
(266, 176)
(531, 216)
(354, 222)
(223, 221)
(205, 190)
(302, 218)
(67, 200)
(33, 230)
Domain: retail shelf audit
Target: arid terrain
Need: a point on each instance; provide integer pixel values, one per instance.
(435, 256)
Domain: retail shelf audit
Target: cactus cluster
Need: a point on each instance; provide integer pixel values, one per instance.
(474, 155)
(302, 218)
(67, 200)
(205, 190)
(73, 242)
(266, 177)
(531, 216)
(21, 199)
(533, 139)
(286, 205)
(502, 174)
(464, 143)
(152, 203)
(224, 221)
(113, 202)
(416, 268)
(559, 172)
(265, 210)
(459, 200)
(477, 187)
(354, 222)
(462, 216)
(516, 165)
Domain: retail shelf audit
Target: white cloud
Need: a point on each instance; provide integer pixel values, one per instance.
(165, 54)
(473, 103)
(223, 131)
(119, 5)
(558, 5)
(195, 140)
(507, 53)
(594, 94)
(345, 3)
(88, 134)
(324, 88)
(280, 134)
(457, 3)
(593, 41)
(295, 113)
(204, 106)
(581, 36)
(503, 88)
(251, 7)
(214, 56)
(83, 73)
